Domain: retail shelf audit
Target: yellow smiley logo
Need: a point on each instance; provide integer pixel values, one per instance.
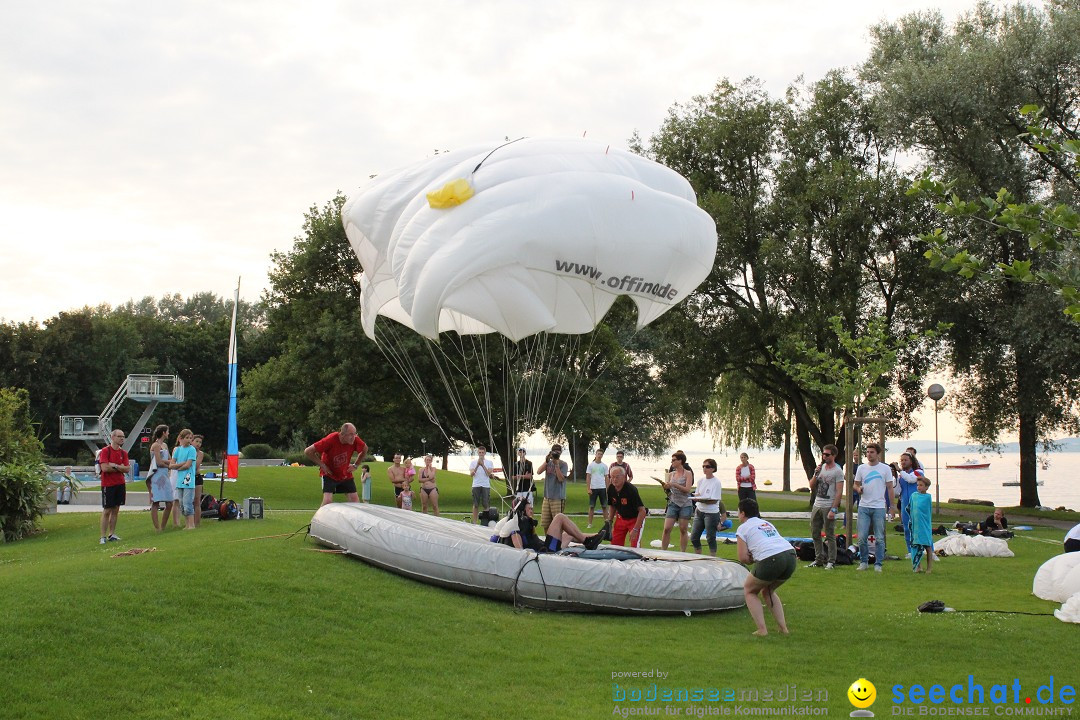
(862, 693)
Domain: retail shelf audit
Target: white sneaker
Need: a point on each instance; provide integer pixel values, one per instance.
(829, 566)
(862, 566)
(908, 556)
(103, 541)
(589, 526)
(877, 568)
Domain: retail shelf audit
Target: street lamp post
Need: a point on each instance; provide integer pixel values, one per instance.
(424, 440)
(935, 392)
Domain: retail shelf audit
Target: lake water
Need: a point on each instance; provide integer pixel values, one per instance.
(1061, 488)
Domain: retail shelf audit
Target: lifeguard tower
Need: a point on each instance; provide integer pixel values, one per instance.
(95, 430)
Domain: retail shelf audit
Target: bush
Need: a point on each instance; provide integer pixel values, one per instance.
(84, 458)
(257, 451)
(298, 457)
(24, 479)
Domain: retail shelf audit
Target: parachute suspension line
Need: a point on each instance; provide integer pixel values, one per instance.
(526, 361)
(461, 368)
(580, 375)
(451, 389)
(397, 356)
(596, 376)
(393, 351)
(480, 351)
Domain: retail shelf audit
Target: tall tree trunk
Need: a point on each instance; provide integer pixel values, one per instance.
(1027, 390)
(806, 447)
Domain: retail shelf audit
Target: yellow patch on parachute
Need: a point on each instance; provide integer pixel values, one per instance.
(451, 194)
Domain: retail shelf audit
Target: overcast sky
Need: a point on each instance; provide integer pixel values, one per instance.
(150, 147)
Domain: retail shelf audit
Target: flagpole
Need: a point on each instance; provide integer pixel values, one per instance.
(232, 452)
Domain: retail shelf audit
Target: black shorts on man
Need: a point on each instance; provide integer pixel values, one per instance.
(330, 485)
(113, 496)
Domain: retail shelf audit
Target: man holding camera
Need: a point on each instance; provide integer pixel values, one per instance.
(555, 471)
(480, 469)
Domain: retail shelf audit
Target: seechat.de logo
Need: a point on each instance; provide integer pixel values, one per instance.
(862, 695)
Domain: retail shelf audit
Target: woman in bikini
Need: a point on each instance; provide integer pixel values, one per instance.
(429, 491)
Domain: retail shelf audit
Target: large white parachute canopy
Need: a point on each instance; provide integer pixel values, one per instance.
(554, 232)
(526, 239)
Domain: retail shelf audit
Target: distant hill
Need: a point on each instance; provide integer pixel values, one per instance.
(927, 446)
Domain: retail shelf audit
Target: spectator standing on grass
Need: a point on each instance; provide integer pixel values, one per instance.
(555, 471)
(874, 483)
(162, 490)
(919, 507)
(196, 442)
(619, 462)
(627, 510)
(597, 472)
(396, 473)
(183, 462)
(520, 484)
(481, 470)
(746, 478)
(827, 487)
(115, 466)
(334, 456)
(710, 508)
(907, 478)
(679, 507)
(365, 482)
(429, 489)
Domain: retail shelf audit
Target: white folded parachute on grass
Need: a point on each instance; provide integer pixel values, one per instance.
(527, 240)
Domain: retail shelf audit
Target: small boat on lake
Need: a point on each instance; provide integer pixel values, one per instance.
(969, 465)
(1016, 483)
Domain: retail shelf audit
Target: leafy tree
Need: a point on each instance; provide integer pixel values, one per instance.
(813, 222)
(1051, 229)
(23, 479)
(951, 95)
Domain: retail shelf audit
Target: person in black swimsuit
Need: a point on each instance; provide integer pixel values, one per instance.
(429, 491)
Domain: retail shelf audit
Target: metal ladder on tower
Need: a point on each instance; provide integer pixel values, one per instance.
(95, 430)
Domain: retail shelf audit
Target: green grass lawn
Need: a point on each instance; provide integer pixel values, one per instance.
(233, 621)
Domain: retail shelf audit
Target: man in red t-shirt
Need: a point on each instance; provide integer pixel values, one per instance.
(114, 469)
(334, 456)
